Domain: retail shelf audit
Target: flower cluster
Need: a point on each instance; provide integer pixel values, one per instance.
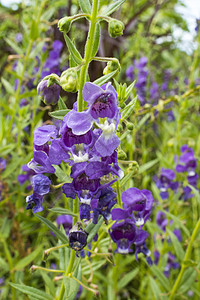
(137, 205)
(185, 164)
(87, 142)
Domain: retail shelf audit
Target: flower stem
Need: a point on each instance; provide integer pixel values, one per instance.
(187, 256)
(88, 54)
(69, 270)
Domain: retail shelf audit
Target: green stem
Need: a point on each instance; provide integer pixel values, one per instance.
(187, 256)
(69, 270)
(119, 194)
(88, 54)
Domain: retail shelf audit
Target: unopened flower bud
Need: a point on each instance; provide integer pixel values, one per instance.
(77, 237)
(49, 94)
(64, 24)
(130, 126)
(115, 28)
(69, 81)
(111, 66)
(119, 128)
(121, 155)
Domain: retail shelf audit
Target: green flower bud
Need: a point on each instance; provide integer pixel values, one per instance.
(121, 155)
(111, 66)
(119, 128)
(64, 24)
(130, 126)
(115, 28)
(69, 81)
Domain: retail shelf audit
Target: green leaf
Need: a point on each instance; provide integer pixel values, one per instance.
(9, 88)
(62, 176)
(155, 289)
(100, 81)
(127, 278)
(34, 33)
(129, 108)
(72, 286)
(13, 45)
(73, 51)
(49, 284)
(196, 192)
(61, 104)
(62, 211)
(187, 280)
(53, 228)
(30, 291)
(177, 221)
(94, 230)
(161, 278)
(111, 8)
(190, 263)
(148, 166)
(129, 89)
(177, 245)
(85, 6)
(28, 259)
(59, 114)
(96, 40)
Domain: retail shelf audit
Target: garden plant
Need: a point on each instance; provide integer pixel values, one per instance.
(99, 151)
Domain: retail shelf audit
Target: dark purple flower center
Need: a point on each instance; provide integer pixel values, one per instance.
(82, 182)
(71, 139)
(104, 106)
(77, 240)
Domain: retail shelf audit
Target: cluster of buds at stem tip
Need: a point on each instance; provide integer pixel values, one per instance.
(69, 80)
(115, 28)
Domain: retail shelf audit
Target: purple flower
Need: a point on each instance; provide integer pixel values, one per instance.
(156, 254)
(49, 94)
(165, 182)
(123, 234)
(34, 202)
(187, 161)
(177, 233)
(66, 221)
(41, 184)
(2, 164)
(77, 238)
(171, 264)
(161, 220)
(130, 73)
(138, 202)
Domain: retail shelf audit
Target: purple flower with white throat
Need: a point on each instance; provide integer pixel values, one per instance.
(123, 234)
(139, 203)
(166, 181)
(161, 220)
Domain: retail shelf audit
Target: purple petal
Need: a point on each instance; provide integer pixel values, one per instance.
(80, 122)
(106, 145)
(44, 134)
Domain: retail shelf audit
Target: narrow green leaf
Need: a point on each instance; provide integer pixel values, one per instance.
(100, 81)
(161, 278)
(9, 88)
(129, 108)
(177, 245)
(96, 39)
(85, 6)
(73, 51)
(196, 192)
(62, 211)
(148, 165)
(13, 45)
(53, 228)
(94, 230)
(34, 33)
(30, 291)
(28, 259)
(62, 176)
(187, 280)
(127, 278)
(59, 114)
(155, 289)
(49, 284)
(72, 286)
(112, 7)
(61, 104)
(129, 89)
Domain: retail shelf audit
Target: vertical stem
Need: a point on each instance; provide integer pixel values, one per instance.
(88, 54)
(187, 256)
(119, 194)
(69, 270)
